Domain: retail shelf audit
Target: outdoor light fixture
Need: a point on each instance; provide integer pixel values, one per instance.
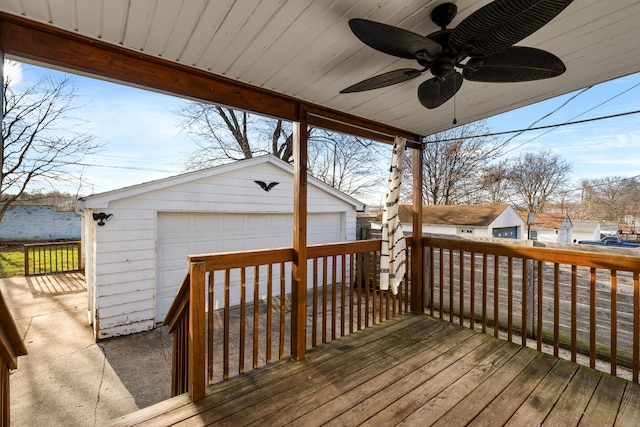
(101, 217)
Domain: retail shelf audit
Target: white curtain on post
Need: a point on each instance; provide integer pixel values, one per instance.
(394, 246)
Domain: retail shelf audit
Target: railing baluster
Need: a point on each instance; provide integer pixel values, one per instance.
(227, 308)
(353, 280)
(524, 288)
(614, 322)
(256, 313)
(451, 288)
(472, 290)
(484, 292)
(333, 298)
(431, 279)
(556, 308)
(510, 298)
(592, 317)
(324, 300)
(269, 312)
(441, 287)
(314, 309)
(210, 316)
(283, 308)
(496, 295)
(374, 296)
(636, 327)
(367, 290)
(243, 318)
(540, 304)
(461, 280)
(360, 283)
(574, 312)
(343, 294)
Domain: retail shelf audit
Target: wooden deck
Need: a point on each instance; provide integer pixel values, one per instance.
(413, 370)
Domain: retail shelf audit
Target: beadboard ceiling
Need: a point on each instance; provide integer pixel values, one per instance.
(304, 49)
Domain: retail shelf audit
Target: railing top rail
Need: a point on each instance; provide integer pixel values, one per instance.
(70, 242)
(237, 259)
(179, 303)
(224, 260)
(11, 344)
(560, 256)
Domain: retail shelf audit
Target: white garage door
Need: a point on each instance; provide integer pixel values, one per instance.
(183, 234)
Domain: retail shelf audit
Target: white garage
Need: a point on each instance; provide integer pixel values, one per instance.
(136, 260)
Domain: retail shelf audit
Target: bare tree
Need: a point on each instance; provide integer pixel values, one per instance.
(495, 183)
(607, 198)
(454, 161)
(345, 162)
(535, 178)
(38, 140)
(221, 134)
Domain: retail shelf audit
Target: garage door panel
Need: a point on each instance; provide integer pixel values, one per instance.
(205, 247)
(167, 252)
(183, 234)
(206, 223)
(257, 224)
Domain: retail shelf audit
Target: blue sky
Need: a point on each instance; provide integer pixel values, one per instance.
(143, 143)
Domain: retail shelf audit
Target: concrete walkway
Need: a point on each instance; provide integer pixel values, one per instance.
(68, 379)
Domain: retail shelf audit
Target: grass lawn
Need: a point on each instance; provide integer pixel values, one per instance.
(11, 260)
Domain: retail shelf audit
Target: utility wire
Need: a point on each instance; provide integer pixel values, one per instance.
(612, 116)
(573, 118)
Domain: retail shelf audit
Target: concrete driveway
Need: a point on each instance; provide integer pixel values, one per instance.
(68, 379)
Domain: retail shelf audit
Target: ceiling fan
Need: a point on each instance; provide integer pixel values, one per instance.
(486, 38)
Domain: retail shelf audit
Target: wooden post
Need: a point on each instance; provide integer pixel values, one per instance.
(196, 376)
(417, 258)
(299, 268)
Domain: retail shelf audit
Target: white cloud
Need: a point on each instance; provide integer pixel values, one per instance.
(13, 72)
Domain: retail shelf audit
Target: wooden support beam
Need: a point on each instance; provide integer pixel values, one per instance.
(417, 258)
(299, 269)
(196, 375)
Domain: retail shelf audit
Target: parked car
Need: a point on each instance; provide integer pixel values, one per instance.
(610, 241)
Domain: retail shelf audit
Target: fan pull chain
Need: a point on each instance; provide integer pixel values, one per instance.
(455, 121)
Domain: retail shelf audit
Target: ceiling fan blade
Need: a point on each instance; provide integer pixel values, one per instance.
(515, 64)
(435, 92)
(502, 23)
(384, 80)
(393, 40)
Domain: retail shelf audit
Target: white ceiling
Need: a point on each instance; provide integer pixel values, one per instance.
(305, 49)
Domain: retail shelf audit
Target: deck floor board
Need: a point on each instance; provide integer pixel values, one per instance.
(413, 370)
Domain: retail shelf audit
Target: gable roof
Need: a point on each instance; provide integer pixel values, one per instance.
(134, 190)
(473, 215)
(546, 220)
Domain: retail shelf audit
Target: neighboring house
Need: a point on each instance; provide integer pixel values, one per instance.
(593, 230)
(500, 221)
(585, 230)
(550, 227)
(40, 223)
(136, 261)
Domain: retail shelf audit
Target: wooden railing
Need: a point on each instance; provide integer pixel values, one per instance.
(254, 288)
(11, 347)
(583, 302)
(52, 257)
